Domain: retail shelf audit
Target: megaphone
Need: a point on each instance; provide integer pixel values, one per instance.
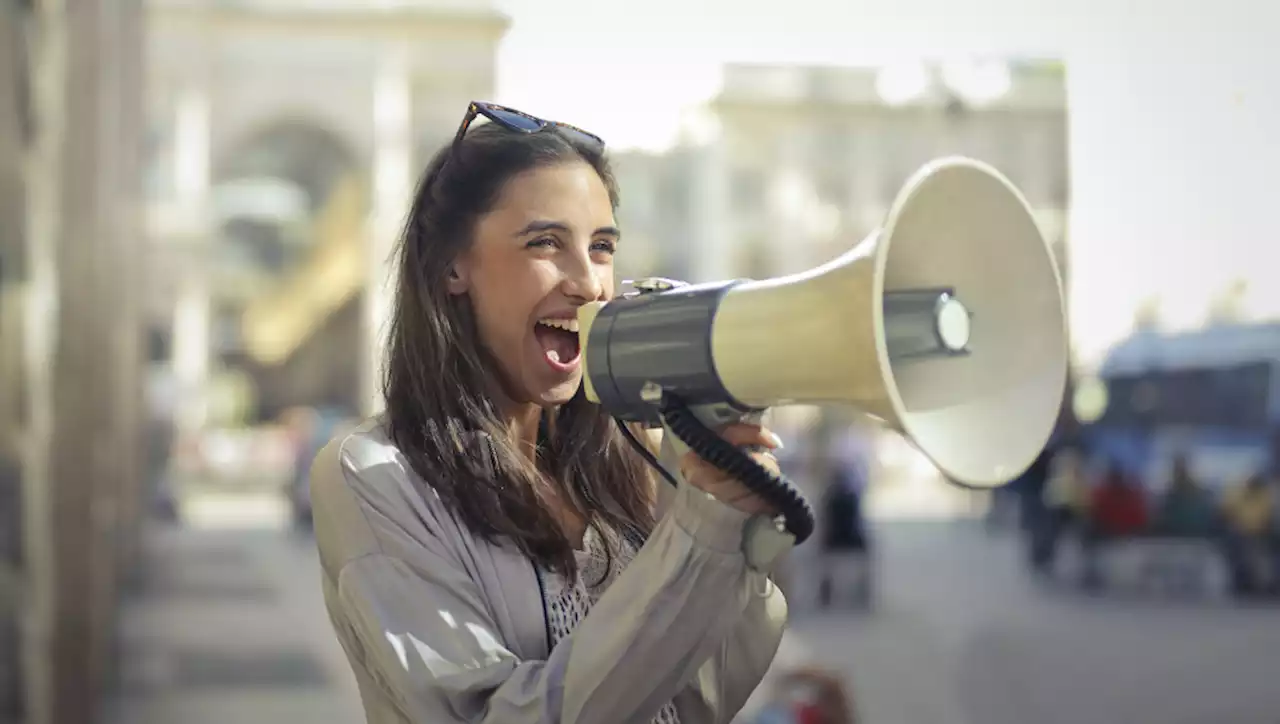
(947, 324)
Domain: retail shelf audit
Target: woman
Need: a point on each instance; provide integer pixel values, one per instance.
(493, 550)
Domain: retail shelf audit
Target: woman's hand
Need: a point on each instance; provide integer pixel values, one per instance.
(710, 479)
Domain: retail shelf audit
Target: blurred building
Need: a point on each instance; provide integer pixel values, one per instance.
(657, 211)
(802, 162)
(284, 139)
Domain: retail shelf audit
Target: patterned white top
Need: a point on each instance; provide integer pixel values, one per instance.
(567, 602)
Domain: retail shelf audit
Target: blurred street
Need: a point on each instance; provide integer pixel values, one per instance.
(961, 635)
(229, 625)
(964, 636)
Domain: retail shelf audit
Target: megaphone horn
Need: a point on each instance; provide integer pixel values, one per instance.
(948, 324)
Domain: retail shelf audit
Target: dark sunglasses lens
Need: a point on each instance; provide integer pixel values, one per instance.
(515, 120)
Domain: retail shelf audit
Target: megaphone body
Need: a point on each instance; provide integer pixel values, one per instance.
(947, 324)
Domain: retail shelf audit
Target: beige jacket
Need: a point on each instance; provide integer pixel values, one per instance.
(441, 627)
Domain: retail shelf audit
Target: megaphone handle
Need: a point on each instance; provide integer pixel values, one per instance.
(687, 427)
(714, 417)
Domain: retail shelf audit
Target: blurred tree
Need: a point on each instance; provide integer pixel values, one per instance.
(1229, 306)
(1147, 316)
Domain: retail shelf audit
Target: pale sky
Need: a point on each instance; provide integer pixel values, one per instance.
(627, 69)
(1173, 108)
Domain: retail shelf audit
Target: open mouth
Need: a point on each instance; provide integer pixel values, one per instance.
(559, 341)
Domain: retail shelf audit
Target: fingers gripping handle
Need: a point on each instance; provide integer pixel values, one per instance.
(687, 429)
(712, 417)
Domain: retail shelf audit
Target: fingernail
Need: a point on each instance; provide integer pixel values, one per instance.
(775, 442)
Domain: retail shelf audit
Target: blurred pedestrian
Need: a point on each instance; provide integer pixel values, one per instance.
(845, 563)
(1248, 511)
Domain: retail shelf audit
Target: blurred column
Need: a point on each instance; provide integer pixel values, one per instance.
(112, 425)
(79, 328)
(392, 189)
(124, 23)
(793, 202)
(82, 371)
(192, 318)
(711, 256)
(39, 330)
(867, 171)
(793, 212)
(13, 140)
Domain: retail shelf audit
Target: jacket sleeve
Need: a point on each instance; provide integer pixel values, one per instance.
(750, 647)
(424, 633)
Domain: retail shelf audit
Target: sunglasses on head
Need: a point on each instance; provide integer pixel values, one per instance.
(521, 122)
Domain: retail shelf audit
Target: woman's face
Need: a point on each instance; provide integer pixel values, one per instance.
(544, 250)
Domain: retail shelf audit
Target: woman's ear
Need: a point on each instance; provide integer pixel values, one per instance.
(457, 279)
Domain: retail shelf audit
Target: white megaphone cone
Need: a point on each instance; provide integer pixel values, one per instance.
(858, 330)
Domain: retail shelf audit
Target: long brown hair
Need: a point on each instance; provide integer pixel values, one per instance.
(439, 379)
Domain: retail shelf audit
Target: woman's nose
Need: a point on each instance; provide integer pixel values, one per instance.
(583, 282)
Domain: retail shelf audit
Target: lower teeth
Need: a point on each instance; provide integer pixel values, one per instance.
(553, 355)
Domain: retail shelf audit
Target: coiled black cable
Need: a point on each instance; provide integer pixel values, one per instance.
(729, 458)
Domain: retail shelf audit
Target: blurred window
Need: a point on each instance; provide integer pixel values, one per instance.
(1226, 397)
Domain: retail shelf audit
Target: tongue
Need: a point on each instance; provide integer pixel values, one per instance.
(558, 345)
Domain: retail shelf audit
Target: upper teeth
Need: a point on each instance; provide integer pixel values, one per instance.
(569, 325)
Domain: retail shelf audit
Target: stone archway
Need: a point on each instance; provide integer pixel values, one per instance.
(271, 185)
(294, 148)
(274, 193)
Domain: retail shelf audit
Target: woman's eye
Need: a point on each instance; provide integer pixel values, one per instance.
(544, 242)
(606, 246)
